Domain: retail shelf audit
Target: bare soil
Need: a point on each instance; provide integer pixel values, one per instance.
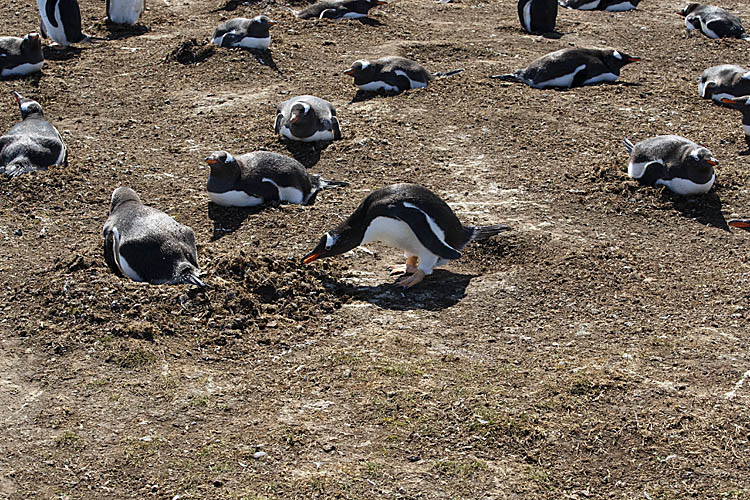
(596, 351)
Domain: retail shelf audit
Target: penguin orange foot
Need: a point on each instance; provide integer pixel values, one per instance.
(410, 281)
(409, 268)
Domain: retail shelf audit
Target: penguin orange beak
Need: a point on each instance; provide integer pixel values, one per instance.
(380, 2)
(34, 36)
(212, 161)
(310, 257)
(729, 101)
(741, 223)
(349, 71)
(712, 161)
(272, 23)
(294, 119)
(633, 59)
(18, 97)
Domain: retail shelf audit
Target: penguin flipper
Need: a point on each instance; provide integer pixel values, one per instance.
(628, 145)
(335, 127)
(106, 9)
(422, 225)
(111, 251)
(508, 77)
(277, 125)
(444, 74)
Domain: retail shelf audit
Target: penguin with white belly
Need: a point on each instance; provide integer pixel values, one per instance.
(537, 16)
(61, 21)
(409, 217)
(262, 178)
(607, 5)
(20, 56)
(242, 32)
(673, 161)
(392, 74)
(125, 11)
(712, 21)
(307, 118)
(724, 81)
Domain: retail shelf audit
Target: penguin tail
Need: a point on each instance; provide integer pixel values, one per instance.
(445, 74)
(326, 184)
(484, 232)
(628, 145)
(508, 77)
(295, 12)
(320, 184)
(745, 37)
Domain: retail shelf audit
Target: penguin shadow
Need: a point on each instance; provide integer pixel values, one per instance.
(552, 35)
(307, 153)
(123, 31)
(366, 95)
(706, 209)
(34, 78)
(229, 219)
(265, 58)
(368, 21)
(61, 53)
(232, 5)
(440, 290)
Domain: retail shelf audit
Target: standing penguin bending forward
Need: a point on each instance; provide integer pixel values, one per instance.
(608, 5)
(409, 217)
(714, 22)
(145, 244)
(537, 16)
(724, 81)
(242, 32)
(20, 56)
(572, 67)
(61, 21)
(338, 9)
(742, 105)
(261, 178)
(392, 74)
(125, 11)
(673, 161)
(307, 118)
(31, 144)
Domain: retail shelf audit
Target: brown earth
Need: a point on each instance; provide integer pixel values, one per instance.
(596, 351)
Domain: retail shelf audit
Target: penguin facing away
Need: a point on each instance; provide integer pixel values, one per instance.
(261, 178)
(125, 11)
(537, 16)
(607, 5)
(673, 161)
(572, 67)
(307, 118)
(742, 105)
(409, 217)
(338, 9)
(145, 244)
(21, 56)
(61, 21)
(31, 144)
(242, 32)
(724, 81)
(714, 22)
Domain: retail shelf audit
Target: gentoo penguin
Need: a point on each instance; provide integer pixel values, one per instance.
(409, 217)
(724, 80)
(714, 22)
(307, 118)
(145, 244)
(740, 223)
(608, 5)
(260, 178)
(31, 144)
(572, 67)
(125, 11)
(61, 21)
(742, 105)
(338, 9)
(673, 161)
(242, 32)
(537, 16)
(20, 56)
(391, 74)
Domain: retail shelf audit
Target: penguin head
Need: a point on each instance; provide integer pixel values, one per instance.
(360, 70)
(301, 112)
(220, 162)
(334, 242)
(27, 106)
(122, 195)
(701, 159)
(616, 59)
(740, 223)
(741, 104)
(263, 21)
(31, 43)
(688, 9)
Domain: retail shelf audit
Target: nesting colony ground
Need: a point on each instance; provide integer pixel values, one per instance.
(593, 352)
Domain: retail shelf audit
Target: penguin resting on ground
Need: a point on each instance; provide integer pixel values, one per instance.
(572, 67)
(673, 161)
(242, 32)
(391, 74)
(31, 144)
(261, 178)
(608, 5)
(409, 217)
(725, 80)
(20, 56)
(307, 118)
(145, 244)
(125, 11)
(714, 22)
(537, 16)
(338, 9)
(61, 21)
(742, 105)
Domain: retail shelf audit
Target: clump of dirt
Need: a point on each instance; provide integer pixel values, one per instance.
(191, 52)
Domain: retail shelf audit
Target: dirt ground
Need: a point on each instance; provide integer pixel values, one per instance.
(598, 350)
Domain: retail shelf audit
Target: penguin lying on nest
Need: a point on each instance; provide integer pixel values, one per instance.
(392, 74)
(21, 56)
(725, 80)
(242, 32)
(338, 9)
(714, 22)
(409, 217)
(743, 106)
